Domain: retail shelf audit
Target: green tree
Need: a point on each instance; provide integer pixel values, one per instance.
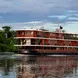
(6, 30)
(7, 39)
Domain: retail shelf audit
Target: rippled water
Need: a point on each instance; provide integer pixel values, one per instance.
(12, 66)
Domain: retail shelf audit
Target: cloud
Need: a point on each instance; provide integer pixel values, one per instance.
(40, 6)
(43, 12)
(68, 27)
(72, 11)
(58, 16)
(32, 24)
(73, 18)
(1, 17)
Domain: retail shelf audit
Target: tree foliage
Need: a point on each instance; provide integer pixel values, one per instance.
(7, 39)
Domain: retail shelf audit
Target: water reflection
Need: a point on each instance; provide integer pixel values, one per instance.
(7, 64)
(39, 67)
(48, 67)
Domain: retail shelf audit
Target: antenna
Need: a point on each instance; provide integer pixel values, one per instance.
(58, 23)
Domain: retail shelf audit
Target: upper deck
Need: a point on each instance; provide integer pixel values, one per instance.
(44, 34)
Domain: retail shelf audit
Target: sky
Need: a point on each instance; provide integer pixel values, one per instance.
(50, 14)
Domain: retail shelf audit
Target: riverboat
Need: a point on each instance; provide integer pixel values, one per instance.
(43, 41)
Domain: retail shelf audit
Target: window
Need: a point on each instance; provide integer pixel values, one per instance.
(19, 32)
(28, 32)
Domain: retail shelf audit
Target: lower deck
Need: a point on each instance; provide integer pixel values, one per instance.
(48, 50)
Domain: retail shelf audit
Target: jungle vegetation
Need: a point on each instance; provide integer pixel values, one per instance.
(7, 39)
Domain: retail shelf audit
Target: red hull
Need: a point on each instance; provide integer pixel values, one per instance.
(38, 51)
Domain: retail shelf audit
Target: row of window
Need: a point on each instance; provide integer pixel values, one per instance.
(66, 36)
(23, 33)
